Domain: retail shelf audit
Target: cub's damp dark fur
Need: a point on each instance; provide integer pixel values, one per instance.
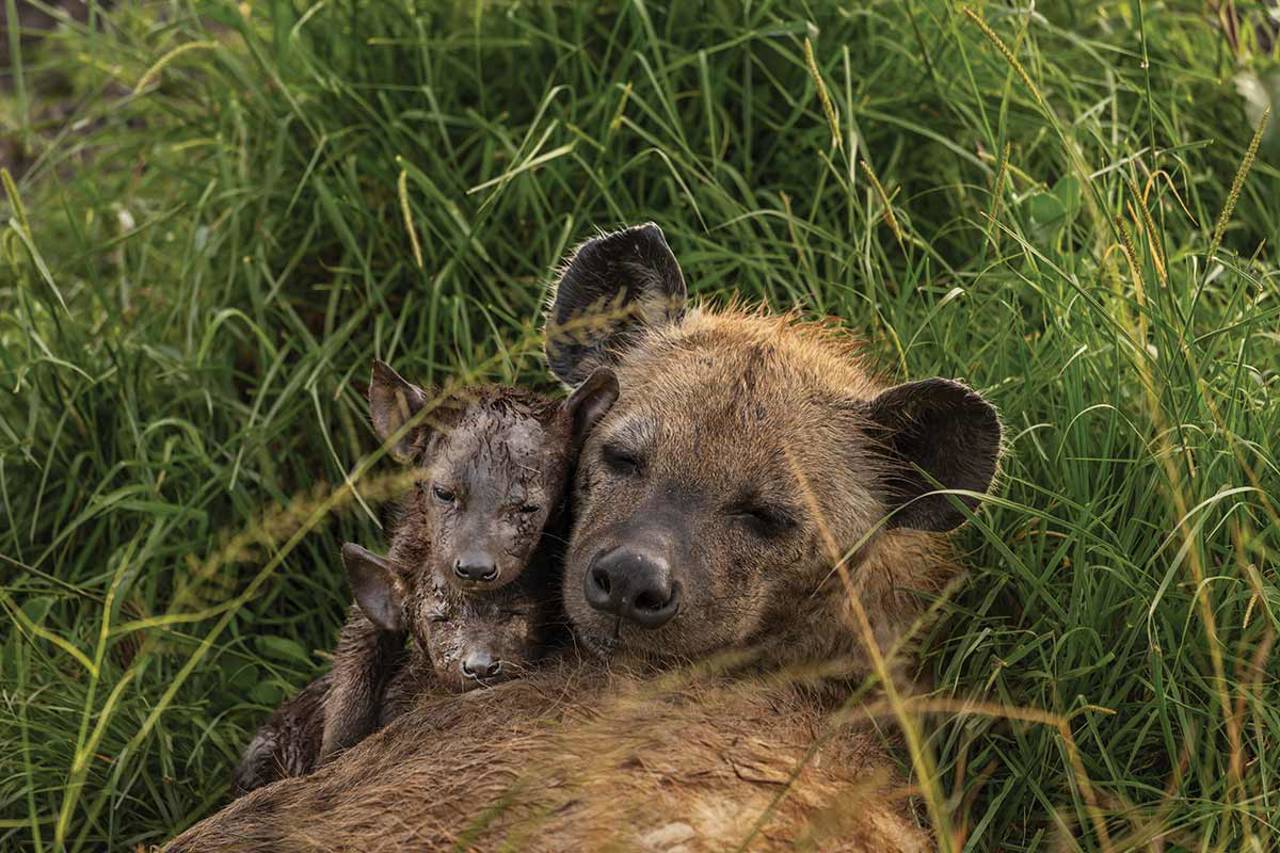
(473, 566)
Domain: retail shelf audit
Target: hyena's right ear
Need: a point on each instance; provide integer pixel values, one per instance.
(943, 429)
(392, 402)
(610, 288)
(377, 590)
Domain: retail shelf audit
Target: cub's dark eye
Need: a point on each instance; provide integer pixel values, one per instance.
(765, 521)
(621, 461)
(445, 496)
(439, 617)
(529, 509)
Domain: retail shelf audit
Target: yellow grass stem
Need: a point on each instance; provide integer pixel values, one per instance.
(402, 188)
(997, 195)
(921, 757)
(889, 218)
(824, 95)
(153, 73)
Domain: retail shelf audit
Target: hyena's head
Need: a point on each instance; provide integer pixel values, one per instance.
(743, 452)
(491, 467)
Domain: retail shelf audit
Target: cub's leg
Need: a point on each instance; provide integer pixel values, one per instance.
(288, 743)
(364, 661)
(411, 681)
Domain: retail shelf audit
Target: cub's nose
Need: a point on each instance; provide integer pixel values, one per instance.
(476, 567)
(635, 584)
(479, 665)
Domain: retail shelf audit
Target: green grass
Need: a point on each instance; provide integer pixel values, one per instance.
(196, 279)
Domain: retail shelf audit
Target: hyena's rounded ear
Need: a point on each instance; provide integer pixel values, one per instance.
(392, 402)
(940, 427)
(610, 288)
(590, 402)
(378, 592)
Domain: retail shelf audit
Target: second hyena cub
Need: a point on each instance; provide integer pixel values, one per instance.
(459, 642)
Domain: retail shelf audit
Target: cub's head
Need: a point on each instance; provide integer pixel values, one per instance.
(491, 466)
(743, 451)
(471, 640)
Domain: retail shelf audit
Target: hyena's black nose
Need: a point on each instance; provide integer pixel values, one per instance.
(475, 567)
(634, 584)
(481, 666)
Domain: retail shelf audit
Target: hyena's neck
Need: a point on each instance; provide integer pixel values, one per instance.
(821, 635)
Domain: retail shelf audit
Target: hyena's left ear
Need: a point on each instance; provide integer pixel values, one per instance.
(943, 428)
(378, 592)
(590, 402)
(610, 288)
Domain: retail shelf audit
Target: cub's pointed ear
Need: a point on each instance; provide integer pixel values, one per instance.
(944, 428)
(380, 594)
(392, 401)
(590, 402)
(610, 288)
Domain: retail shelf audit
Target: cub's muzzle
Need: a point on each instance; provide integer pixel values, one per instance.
(476, 567)
(479, 665)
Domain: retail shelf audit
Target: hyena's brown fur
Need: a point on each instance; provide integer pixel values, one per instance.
(582, 759)
(721, 404)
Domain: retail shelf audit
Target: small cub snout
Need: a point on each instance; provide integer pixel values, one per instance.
(634, 584)
(476, 568)
(481, 666)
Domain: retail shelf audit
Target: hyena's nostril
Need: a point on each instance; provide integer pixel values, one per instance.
(651, 600)
(598, 588)
(655, 605)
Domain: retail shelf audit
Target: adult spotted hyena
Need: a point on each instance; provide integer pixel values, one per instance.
(751, 477)
(747, 453)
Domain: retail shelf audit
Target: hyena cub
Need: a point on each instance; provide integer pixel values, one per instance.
(459, 642)
(471, 573)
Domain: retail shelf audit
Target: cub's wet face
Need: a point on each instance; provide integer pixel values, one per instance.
(745, 454)
(487, 492)
(481, 641)
(491, 464)
(471, 641)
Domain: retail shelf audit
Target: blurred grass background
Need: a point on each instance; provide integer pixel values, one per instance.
(218, 213)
